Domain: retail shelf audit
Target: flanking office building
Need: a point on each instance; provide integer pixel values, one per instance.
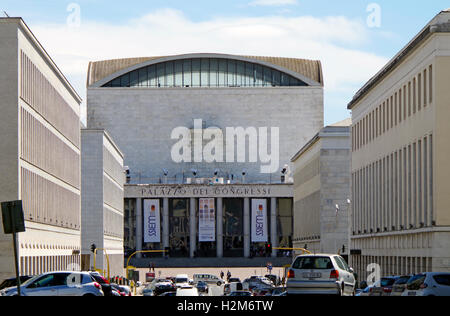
(40, 154)
(102, 204)
(322, 185)
(400, 151)
(207, 139)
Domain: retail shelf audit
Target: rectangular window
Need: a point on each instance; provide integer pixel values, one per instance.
(178, 73)
(204, 78)
(241, 78)
(425, 100)
(160, 75)
(187, 73)
(143, 77)
(196, 72)
(419, 92)
(430, 82)
(231, 73)
(169, 74)
(214, 72)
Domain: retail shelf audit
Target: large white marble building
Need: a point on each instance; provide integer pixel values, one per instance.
(39, 155)
(200, 126)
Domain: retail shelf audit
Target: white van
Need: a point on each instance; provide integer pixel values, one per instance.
(208, 278)
(181, 280)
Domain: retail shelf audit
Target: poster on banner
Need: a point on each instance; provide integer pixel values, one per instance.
(206, 220)
(152, 222)
(259, 221)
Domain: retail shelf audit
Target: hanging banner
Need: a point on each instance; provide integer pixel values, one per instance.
(259, 221)
(152, 222)
(206, 220)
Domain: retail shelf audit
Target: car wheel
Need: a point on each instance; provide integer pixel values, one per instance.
(219, 283)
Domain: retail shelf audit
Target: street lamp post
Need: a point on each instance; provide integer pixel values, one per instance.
(350, 223)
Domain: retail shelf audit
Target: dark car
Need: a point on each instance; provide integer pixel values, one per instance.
(385, 287)
(202, 287)
(169, 294)
(234, 280)
(13, 282)
(400, 285)
(106, 286)
(274, 278)
(241, 293)
(123, 291)
(163, 288)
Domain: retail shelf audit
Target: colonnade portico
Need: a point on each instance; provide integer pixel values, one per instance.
(192, 194)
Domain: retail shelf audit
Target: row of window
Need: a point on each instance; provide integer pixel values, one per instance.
(39, 93)
(48, 203)
(205, 72)
(112, 223)
(409, 99)
(391, 265)
(42, 148)
(44, 264)
(395, 192)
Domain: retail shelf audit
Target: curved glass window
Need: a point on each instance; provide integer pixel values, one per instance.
(205, 72)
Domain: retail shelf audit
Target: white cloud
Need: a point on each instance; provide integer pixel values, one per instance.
(273, 2)
(170, 32)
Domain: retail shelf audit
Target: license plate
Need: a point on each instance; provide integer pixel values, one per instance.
(312, 275)
(411, 293)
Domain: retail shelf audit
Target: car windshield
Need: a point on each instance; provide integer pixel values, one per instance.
(387, 282)
(416, 281)
(402, 280)
(181, 280)
(313, 263)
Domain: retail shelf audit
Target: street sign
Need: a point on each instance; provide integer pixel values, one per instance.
(13, 219)
(13, 223)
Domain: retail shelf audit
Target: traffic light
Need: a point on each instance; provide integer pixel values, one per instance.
(93, 247)
(268, 248)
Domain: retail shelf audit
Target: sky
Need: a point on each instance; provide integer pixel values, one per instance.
(353, 39)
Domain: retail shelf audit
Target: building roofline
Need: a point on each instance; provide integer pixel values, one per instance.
(45, 55)
(107, 135)
(131, 64)
(328, 131)
(430, 29)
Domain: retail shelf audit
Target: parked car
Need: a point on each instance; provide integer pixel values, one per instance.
(169, 294)
(400, 285)
(368, 289)
(274, 278)
(428, 284)
(121, 290)
(232, 287)
(13, 281)
(257, 281)
(106, 286)
(163, 287)
(208, 278)
(202, 287)
(187, 291)
(181, 280)
(320, 274)
(58, 284)
(234, 280)
(277, 291)
(385, 286)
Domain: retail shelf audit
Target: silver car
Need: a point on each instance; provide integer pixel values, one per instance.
(428, 284)
(58, 284)
(320, 274)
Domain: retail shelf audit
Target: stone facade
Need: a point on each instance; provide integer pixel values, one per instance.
(321, 183)
(400, 159)
(141, 121)
(102, 200)
(40, 154)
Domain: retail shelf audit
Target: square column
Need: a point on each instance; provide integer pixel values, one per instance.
(273, 226)
(138, 227)
(193, 226)
(219, 221)
(165, 224)
(246, 227)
